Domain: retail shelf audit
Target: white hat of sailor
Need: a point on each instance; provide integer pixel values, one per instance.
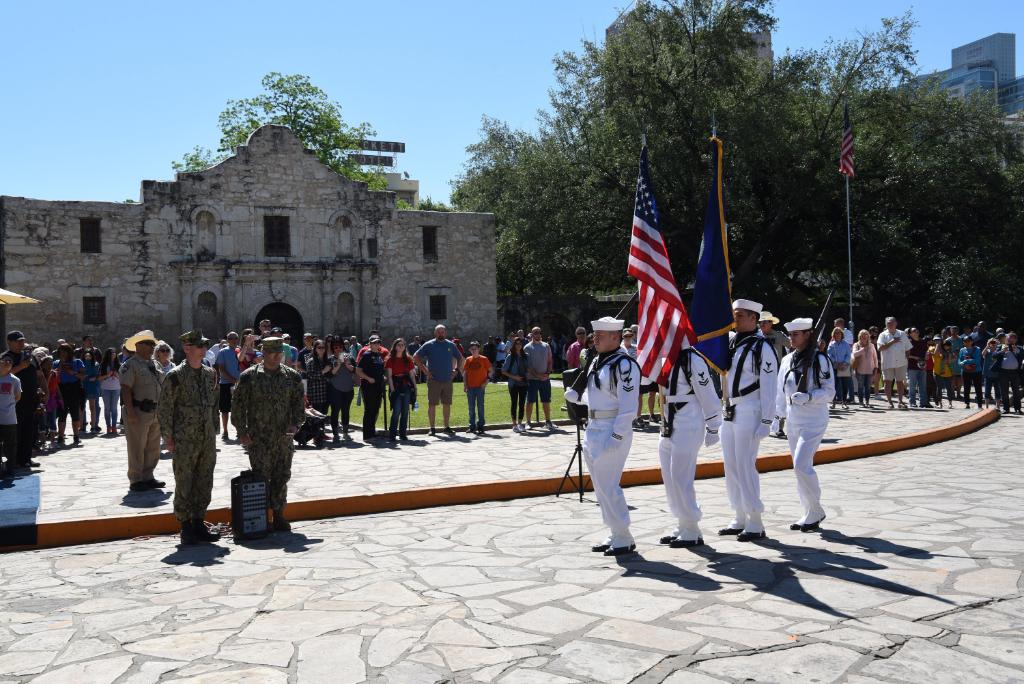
(798, 324)
(747, 304)
(607, 323)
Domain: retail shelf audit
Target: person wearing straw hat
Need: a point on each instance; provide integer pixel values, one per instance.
(780, 342)
(693, 416)
(188, 422)
(267, 409)
(610, 388)
(750, 408)
(804, 402)
(140, 394)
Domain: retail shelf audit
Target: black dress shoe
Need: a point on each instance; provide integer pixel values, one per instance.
(795, 526)
(812, 527)
(727, 531)
(600, 548)
(620, 550)
(667, 539)
(139, 487)
(155, 484)
(687, 543)
(751, 536)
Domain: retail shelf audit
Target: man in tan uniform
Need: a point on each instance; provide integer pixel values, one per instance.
(140, 393)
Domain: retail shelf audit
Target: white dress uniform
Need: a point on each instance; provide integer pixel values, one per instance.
(750, 387)
(806, 415)
(611, 398)
(693, 414)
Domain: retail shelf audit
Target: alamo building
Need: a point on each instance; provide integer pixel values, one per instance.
(268, 233)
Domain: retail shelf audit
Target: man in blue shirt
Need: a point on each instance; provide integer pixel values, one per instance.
(228, 371)
(439, 358)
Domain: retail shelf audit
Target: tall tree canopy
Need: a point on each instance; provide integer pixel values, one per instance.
(292, 101)
(936, 201)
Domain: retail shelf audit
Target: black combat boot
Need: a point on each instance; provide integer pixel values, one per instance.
(202, 533)
(188, 533)
(280, 522)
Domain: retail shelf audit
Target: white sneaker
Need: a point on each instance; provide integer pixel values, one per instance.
(516, 428)
(549, 425)
(529, 426)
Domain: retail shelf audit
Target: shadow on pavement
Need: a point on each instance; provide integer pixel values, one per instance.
(150, 499)
(289, 542)
(200, 555)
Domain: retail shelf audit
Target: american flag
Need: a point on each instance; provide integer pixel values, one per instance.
(846, 149)
(663, 323)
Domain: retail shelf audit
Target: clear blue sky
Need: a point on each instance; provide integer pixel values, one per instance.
(97, 97)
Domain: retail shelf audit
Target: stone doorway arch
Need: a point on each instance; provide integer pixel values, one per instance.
(282, 316)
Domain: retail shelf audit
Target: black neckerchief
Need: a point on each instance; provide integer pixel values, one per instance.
(734, 344)
(803, 359)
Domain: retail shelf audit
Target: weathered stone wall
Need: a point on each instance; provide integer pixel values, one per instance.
(463, 272)
(193, 254)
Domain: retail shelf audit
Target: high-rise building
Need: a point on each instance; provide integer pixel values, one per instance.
(987, 65)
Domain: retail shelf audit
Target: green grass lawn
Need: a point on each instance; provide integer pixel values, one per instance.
(497, 407)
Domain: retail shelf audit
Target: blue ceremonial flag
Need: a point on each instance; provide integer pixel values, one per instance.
(711, 311)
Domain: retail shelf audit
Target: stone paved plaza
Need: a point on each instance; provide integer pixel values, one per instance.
(915, 579)
(91, 481)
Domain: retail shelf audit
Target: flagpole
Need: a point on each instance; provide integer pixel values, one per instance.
(849, 250)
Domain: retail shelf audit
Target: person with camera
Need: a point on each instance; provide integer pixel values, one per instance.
(140, 392)
(893, 345)
(340, 387)
(609, 386)
(970, 366)
(187, 415)
(750, 410)
(693, 416)
(1010, 361)
(806, 386)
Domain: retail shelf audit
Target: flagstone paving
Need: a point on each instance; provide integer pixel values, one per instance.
(916, 579)
(90, 481)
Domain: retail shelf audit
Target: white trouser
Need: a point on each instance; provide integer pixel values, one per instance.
(739, 451)
(606, 457)
(678, 455)
(804, 440)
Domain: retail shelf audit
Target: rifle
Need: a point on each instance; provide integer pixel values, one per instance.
(819, 333)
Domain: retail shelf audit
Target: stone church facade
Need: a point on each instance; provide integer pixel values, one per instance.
(268, 233)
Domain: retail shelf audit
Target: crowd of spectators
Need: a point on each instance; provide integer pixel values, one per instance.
(52, 392)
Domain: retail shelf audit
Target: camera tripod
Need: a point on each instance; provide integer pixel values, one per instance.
(577, 459)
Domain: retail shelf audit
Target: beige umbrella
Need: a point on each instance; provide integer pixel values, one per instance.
(8, 297)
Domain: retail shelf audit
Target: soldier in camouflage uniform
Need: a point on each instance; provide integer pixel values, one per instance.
(188, 423)
(267, 410)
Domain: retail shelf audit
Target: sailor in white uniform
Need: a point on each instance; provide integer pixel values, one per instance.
(806, 388)
(692, 415)
(749, 392)
(611, 390)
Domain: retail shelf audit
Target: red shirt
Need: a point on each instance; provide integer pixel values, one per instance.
(400, 367)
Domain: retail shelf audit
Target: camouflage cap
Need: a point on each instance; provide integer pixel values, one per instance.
(272, 345)
(195, 338)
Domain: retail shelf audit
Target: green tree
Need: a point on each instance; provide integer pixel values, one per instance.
(934, 185)
(292, 101)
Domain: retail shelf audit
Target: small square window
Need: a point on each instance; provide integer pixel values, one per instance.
(429, 243)
(94, 310)
(277, 240)
(438, 307)
(371, 248)
(89, 232)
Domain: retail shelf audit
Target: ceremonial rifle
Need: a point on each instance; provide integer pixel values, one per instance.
(819, 333)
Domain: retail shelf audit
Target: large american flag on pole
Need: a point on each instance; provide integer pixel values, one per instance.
(662, 320)
(846, 148)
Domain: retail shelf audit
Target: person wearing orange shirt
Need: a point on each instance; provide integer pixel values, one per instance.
(476, 371)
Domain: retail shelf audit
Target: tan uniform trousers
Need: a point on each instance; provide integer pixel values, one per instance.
(143, 437)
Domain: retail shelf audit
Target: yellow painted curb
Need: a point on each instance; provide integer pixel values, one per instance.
(71, 532)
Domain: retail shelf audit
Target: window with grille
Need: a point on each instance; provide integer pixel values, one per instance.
(94, 310)
(430, 243)
(89, 231)
(277, 239)
(438, 307)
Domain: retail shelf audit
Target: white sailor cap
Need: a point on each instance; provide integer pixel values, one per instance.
(800, 324)
(607, 323)
(748, 305)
